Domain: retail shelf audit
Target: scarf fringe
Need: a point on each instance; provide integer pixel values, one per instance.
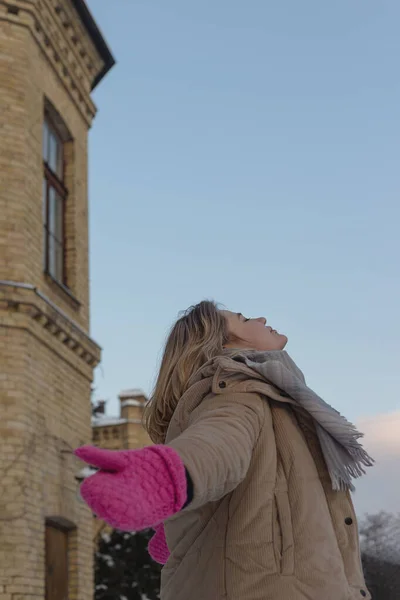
(344, 456)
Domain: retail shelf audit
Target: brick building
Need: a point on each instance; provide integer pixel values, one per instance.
(51, 57)
(122, 432)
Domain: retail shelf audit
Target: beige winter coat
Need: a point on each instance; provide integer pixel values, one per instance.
(264, 523)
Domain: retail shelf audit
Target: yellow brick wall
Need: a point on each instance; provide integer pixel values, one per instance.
(127, 433)
(126, 436)
(132, 407)
(43, 419)
(25, 81)
(46, 360)
(136, 436)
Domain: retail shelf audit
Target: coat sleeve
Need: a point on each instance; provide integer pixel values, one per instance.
(217, 446)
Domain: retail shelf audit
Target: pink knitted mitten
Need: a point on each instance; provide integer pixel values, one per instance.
(158, 548)
(134, 489)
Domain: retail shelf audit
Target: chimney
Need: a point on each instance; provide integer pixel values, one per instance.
(132, 404)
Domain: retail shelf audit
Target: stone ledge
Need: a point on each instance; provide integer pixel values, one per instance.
(25, 298)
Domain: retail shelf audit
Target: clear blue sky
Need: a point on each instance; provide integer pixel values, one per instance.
(249, 152)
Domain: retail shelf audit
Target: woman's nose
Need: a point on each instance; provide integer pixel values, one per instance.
(262, 320)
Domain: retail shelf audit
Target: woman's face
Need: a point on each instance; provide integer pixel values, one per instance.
(253, 334)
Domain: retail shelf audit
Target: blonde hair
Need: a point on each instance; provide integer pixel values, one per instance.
(199, 335)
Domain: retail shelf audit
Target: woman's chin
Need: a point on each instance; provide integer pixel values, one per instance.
(284, 341)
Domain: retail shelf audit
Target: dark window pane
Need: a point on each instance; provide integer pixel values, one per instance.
(45, 249)
(52, 211)
(55, 153)
(59, 263)
(52, 154)
(55, 235)
(45, 141)
(44, 202)
(60, 159)
(59, 218)
(56, 213)
(44, 208)
(56, 259)
(52, 262)
(53, 199)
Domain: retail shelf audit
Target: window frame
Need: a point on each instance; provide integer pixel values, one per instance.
(53, 181)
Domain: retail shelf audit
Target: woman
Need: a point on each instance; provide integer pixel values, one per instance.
(248, 483)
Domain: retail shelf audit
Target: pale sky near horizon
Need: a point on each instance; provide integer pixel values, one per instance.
(249, 152)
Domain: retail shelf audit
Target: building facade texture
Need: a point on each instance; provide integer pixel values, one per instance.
(51, 56)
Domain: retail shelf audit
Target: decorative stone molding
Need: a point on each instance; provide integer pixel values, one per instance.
(58, 29)
(25, 298)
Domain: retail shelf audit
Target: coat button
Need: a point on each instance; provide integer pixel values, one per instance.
(348, 521)
(363, 593)
(222, 384)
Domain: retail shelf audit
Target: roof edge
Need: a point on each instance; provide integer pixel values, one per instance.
(97, 37)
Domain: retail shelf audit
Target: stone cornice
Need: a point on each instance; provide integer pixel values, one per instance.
(25, 298)
(90, 26)
(57, 29)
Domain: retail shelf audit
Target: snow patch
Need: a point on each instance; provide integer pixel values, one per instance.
(132, 403)
(108, 560)
(86, 472)
(105, 421)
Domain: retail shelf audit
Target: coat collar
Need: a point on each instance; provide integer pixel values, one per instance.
(230, 375)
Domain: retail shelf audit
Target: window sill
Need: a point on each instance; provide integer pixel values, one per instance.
(65, 291)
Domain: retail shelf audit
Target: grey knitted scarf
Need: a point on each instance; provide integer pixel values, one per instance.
(344, 455)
